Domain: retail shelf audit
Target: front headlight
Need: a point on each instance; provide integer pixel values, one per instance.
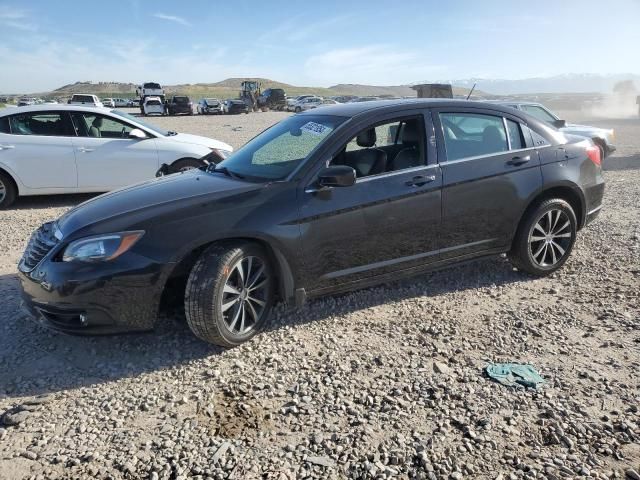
(101, 248)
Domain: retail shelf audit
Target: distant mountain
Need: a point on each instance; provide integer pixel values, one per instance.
(569, 83)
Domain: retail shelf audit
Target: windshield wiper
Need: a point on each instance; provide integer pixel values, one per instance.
(225, 171)
(171, 133)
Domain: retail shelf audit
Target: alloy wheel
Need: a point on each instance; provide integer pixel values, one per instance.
(245, 295)
(550, 238)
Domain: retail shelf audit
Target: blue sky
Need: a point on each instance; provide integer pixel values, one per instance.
(45, 44)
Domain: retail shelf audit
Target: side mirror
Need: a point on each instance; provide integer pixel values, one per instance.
(559, 123)
(337, 176)
(138, 134)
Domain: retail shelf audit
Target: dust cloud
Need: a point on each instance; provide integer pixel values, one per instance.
(622, 102)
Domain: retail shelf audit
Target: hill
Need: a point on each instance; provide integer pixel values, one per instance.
(230, 87)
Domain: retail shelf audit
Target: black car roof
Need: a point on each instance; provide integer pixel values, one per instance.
(353, 109)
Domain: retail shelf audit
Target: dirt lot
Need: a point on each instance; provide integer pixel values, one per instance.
(381, 383)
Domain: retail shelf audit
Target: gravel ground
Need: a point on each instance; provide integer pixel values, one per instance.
(381, 383)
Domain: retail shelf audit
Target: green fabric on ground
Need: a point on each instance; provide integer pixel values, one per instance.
(512, 374)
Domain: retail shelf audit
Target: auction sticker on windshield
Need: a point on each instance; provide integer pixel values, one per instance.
(314, 128)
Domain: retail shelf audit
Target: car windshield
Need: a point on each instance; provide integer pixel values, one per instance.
(131, 118)
(211, 100)
(181, 99)
(276, 152)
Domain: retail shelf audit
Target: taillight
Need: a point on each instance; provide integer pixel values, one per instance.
(593, 153)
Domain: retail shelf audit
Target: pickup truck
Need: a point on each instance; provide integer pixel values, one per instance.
(85, 99)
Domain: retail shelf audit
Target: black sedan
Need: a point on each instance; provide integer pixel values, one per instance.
(326, 201)
(232, 106)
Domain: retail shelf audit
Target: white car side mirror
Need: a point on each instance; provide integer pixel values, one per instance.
(138, 134)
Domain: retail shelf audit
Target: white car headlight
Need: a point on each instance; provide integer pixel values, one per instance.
(101, 248)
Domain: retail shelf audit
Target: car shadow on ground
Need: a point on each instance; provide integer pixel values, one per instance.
(35, 360)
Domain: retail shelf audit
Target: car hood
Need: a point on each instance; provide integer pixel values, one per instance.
(143, 202)
(198, 140)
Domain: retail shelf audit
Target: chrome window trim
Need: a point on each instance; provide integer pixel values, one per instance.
(449, 162)
(394, 173)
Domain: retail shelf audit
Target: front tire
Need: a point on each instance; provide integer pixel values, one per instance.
(229, 293)
(8, 191)
(545, 238)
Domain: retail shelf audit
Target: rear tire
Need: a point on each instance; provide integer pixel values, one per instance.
(545, 238)
(186, 164)
(8, 191)
(229, 293)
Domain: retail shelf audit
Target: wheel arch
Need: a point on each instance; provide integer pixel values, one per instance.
(569, 192)
(18, 186)
(286, 282)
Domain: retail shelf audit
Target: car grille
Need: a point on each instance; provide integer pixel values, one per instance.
(40, 243)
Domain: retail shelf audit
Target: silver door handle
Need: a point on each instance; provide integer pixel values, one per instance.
(85, 149)
(7, 147)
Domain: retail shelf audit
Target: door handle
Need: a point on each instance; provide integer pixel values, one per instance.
(515, 161)
(7, 147)
(85, 149)
(420, 180)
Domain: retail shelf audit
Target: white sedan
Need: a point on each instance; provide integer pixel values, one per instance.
(47, 149)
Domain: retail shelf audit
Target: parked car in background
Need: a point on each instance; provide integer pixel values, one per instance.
(120, 102)
(49, 149)
(153, 106)
(179, 105)
(108, 102)
(602, 137)
(232, 106)
(85, 99)
(273, 98)
(209, 105)
(26, 101)
(317, 204)
(343, 98)
(133, 102)
(291, 102)
(363, 99)
(307, 104)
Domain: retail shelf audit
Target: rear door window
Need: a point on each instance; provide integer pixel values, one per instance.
(4, 125)
(473, 134)
(51, 124)
(516, 139)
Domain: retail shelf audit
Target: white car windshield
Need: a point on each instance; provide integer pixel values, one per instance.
(131, 118)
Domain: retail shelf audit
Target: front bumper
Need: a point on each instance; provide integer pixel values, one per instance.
(119, 296)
